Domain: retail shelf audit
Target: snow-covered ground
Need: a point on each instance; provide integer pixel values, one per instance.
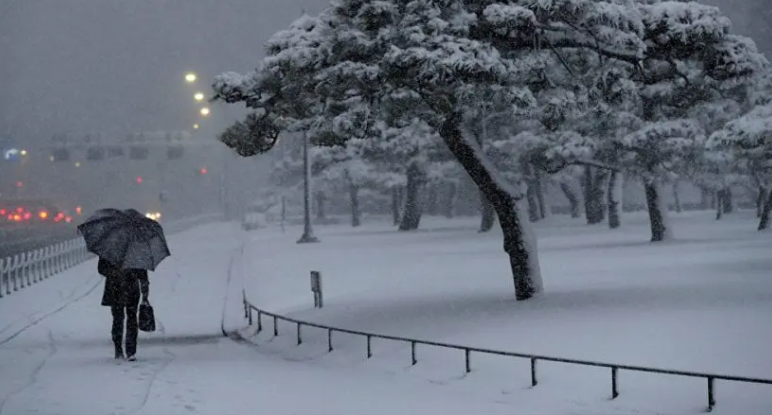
(55, 352)
(700, 303)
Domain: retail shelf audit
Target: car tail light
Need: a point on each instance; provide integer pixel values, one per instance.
(3, 212)
(43, 215)
(17, 218)
(19, 209)
(68, 219)
(27, 216)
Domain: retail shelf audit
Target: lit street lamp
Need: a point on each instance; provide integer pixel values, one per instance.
(195, 126)
(205, 111)
(199, 96)
(190, 77)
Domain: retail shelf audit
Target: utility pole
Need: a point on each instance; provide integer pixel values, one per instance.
(308, 231)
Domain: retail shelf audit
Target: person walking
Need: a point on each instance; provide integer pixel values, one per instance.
(123, 289)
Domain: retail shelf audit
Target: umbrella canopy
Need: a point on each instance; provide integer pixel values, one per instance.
(125, 238)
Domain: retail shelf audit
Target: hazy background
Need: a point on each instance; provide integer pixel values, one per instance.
(116, 67)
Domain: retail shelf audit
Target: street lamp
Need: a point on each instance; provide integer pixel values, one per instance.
(195, 126)
(190, 77)
(205, 111)
(199, 96)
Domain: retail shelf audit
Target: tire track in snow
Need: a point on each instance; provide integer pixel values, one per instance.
(58, 310)
(33, 377)
(30, 316)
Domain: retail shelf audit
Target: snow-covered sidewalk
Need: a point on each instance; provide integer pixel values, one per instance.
(55, 352)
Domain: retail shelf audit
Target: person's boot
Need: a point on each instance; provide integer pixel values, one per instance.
(118, 352)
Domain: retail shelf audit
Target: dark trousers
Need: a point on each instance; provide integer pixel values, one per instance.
(129, 314)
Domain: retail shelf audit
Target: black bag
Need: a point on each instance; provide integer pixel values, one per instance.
(146, 317)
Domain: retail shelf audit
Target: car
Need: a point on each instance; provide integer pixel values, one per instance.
(31, 212)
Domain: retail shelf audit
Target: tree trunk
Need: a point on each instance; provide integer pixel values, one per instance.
(411, 214)
(519, 241)
(719, 205)
(321, 208)
(727, 200)
(705, 198)
(766, 212)
(593, 196)
(573, 201)
(540, 194)
(760, 198)
(449, 208)
(660, 229)
(531, 195)
(488, 217)
(612, 195)
(356, 213)
(431, 200)
(396, 202)
(676, 198)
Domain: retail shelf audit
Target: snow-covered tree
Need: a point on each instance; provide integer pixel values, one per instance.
(748, 140)
(444, 56)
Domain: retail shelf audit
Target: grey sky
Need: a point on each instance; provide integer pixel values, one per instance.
(115, 66)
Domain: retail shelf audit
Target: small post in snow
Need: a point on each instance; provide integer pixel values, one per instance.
(316, 289)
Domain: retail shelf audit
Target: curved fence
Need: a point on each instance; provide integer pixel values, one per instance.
(250, 310)
(22, 270)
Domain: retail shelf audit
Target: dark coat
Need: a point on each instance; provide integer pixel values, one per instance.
(123, 287)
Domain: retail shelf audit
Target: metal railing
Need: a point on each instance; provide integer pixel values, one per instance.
(25, 269)
(250, 309)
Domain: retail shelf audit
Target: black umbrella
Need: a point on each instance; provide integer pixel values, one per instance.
(125, 238)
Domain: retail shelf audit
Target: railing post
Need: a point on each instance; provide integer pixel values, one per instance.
(20, 270)
(2, 275)
(275, 326)
(15, 270)
(300, 339)
(7, 275)
(413, 359)
(329, 340)
(467, 357)
(614, 384)
(28, 267)
(369, 347)
(711, 395)
(250, 316)
(534, 381)
(259, 321)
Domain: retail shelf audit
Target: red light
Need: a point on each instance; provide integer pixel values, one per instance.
(19, 184)
(139, 180)
(3, 212)
(43, 214)
(204, 170)
(20, 209)
(68, 219)
(27, 215)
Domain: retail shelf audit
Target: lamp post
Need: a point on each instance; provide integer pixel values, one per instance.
(308, 231)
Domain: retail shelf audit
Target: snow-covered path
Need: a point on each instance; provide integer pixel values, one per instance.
(55, 352)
